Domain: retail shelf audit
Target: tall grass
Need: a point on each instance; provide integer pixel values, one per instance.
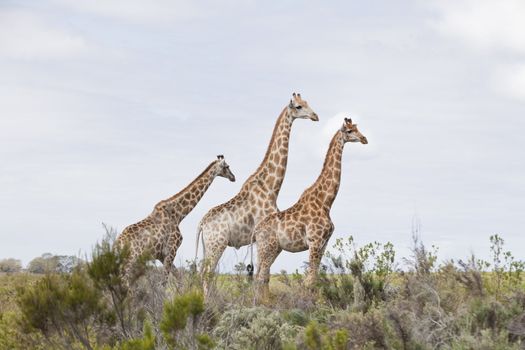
(363, 300)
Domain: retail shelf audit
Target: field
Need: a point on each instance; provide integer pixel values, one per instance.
(363, 301)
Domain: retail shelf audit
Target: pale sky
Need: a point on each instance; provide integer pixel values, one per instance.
(110, 106)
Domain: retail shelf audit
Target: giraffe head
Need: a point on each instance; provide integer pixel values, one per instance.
(351, 133)
(223, 169)
(298, 108)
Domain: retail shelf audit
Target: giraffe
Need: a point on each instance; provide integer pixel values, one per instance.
(158, 235)
(231, 223)
(307, 224)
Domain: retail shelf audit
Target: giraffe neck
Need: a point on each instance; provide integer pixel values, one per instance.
(270, 173)
(182, 203)
(327, 184)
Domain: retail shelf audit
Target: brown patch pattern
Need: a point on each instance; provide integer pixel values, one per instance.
(307, 224)
(231, 224)
(158, 234)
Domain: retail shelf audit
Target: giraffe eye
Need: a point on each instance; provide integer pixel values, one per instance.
(298, 107)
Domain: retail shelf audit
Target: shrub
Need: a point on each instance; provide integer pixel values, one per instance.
(506, 268)
(105, 271)
(147, 342)
(175, 318)
(254, 328)
(320, 337)
(10, 265)
(296, 317)
(84, 306)
(370, 266)
(63, 306)
(363, 304)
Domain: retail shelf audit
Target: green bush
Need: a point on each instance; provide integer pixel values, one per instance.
(62, 305)
(296, 317)
(370, 266)
(254, 328)
(147, 342)
(319, 337)
(105, 271)
(175, 318)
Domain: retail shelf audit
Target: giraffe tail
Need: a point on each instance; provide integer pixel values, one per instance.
(201, 236)
(199, 232)
(251, 250)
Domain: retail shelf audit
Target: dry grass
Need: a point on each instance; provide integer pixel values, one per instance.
(425, 305)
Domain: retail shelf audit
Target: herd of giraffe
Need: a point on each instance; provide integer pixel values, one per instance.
(252, 215)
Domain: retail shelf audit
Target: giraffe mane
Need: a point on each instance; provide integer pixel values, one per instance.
(267, 154)
(191, 184)
(326, 159)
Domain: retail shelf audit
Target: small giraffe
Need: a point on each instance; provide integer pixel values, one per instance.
(159, 234)
(231, 224)
(307, 224)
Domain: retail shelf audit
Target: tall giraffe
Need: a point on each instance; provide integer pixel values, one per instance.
(231, 224)
(307, 224)
(158, 235)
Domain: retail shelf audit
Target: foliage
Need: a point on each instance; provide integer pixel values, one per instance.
(49, 263)
(147, 342)
(10, 265)
(62, 306)
(317, 336)
(105, 271)
(370, 266)
(508, 271)
(253, 328)
(176, 313)
(363, 302)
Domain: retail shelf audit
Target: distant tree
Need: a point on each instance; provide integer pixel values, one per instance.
(66, 263)
(10, 265)
(43, 264)
(48, 263)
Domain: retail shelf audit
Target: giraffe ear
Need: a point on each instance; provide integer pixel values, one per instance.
(291, 104)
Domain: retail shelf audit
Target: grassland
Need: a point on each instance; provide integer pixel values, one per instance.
(363, 300)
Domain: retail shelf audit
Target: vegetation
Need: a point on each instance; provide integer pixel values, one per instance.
(49, 263)
(10, 265)
(364, 300)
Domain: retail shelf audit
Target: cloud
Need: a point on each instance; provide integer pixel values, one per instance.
(510, 79)
(26, 36)
(154, 11)
(484, 24)
(318, 141)
(493, 27)
(105, 138)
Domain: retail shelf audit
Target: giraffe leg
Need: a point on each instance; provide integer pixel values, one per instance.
(213, 254)
(316, 252)
(171, 246)
(267, 251)
(127, 270)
